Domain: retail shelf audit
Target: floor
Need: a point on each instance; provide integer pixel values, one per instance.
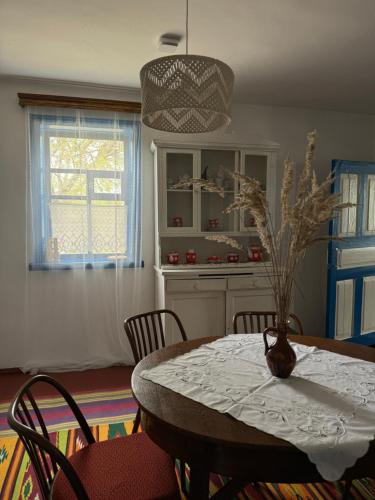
(118, 377)
(115, 377)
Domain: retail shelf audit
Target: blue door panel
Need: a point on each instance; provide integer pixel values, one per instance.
(360, 240)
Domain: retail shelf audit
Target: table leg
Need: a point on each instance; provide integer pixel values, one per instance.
(199, 483)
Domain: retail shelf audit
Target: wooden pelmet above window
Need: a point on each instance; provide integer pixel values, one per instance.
(55, 101)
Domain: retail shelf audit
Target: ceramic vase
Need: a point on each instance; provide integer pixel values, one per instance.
(280, 356)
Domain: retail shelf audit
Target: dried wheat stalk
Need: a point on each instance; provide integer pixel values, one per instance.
(202, 183)
(222, 238)
(301, 220)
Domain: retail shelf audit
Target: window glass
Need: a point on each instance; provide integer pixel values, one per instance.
(85, 190)
(68, 184)
(107, 185)
(90, 154)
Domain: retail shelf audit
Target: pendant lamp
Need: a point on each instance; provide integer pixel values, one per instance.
(186, 93)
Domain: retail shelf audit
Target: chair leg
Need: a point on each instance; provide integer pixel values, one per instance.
(183, 477)
(137, 421)
(347, 487)
(231, 489)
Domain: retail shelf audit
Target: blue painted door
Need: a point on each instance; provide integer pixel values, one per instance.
(351, 258)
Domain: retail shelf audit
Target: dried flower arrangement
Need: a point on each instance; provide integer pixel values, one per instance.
(301, 220)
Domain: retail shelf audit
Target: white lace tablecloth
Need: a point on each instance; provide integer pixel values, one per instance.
(326, 408)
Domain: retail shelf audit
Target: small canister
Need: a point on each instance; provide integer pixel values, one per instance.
(233, 257)
(191, 257)
(173, 257)
(213, 224)
(255, 254)
(177, 221)
(251, 221)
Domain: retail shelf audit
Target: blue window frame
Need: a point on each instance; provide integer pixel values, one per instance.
(84, 192)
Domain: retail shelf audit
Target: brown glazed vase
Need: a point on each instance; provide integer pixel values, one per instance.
(280, 356)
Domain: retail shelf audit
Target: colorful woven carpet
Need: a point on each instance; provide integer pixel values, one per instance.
(97, 407)
(18, 481)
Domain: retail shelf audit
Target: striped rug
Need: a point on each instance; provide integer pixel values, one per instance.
(17, 477)
(18, 481)
(98, 408)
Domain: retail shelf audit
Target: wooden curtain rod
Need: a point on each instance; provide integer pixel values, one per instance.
(58, 101)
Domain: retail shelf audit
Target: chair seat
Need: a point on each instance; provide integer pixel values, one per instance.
(131, 468)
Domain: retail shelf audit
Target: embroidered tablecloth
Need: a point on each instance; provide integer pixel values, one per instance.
(326, 408)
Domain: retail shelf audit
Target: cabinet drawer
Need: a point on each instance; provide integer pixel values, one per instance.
(196, 285)
(248, 282)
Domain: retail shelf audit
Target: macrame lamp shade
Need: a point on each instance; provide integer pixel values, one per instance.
(186, 93)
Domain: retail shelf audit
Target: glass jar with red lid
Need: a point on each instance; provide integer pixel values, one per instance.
(173, 258)
(191, 256)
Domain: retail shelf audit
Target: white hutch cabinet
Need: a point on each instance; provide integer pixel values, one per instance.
(207, 295)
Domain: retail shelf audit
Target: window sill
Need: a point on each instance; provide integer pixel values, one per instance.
(68, 266)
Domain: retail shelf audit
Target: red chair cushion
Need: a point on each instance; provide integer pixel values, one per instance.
(127, 468)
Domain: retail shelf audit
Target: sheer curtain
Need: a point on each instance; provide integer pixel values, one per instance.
(84, 237)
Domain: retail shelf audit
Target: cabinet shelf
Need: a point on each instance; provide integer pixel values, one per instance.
(173, 232)
(190, 191)
(213, 192)
(179, 190)
(263, 265)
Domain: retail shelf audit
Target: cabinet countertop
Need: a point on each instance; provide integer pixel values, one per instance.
(199, 270)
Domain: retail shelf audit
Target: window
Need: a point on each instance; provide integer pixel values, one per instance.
(85, 191)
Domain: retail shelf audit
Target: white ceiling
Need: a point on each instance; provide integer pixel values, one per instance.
(310, 53)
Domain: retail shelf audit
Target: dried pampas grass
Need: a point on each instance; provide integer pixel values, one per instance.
(301, 220)
(200, 183)
(222, 238)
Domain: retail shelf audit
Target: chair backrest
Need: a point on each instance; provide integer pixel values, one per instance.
(25, 417)
(257, 321)
(146, 331)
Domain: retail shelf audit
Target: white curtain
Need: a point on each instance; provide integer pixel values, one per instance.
(84, 237)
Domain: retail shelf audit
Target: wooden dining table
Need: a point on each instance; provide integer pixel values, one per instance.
(210, 441)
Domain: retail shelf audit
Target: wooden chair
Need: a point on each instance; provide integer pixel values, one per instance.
(146, 333)
(257, 321)
(128, 467)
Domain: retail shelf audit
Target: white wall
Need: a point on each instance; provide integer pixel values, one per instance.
(58, 338)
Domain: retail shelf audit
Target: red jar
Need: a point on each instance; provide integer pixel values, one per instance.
(251, 221)
(177, 221)
(255, 254)
(173, 257)
(213, 224)
(191, 257)
(233, 257)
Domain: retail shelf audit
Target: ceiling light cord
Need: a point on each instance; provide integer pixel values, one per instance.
(187, 27)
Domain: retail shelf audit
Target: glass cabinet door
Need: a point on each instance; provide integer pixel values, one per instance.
(254, 166)
(180, 202)
(217, 166)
